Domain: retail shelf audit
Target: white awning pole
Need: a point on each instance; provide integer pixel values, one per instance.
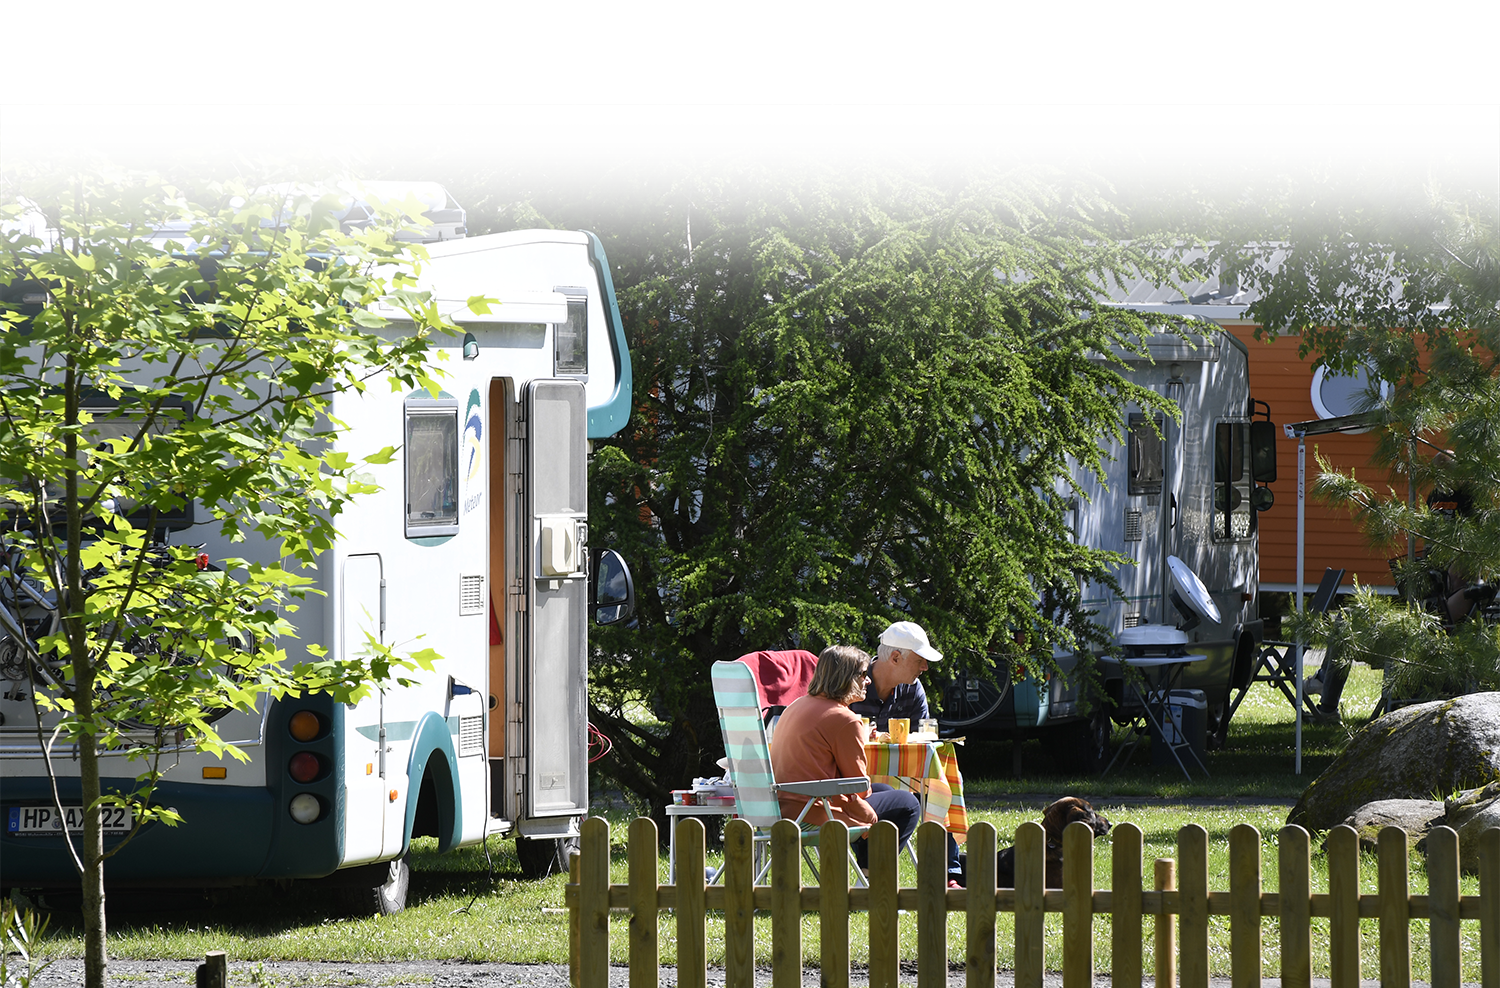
(1301, 549)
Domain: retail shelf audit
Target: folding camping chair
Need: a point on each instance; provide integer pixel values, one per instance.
(755, 787)
(1277, 662)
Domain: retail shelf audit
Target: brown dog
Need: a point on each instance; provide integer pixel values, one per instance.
(1055, 819)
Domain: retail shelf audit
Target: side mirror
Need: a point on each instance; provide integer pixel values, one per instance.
(1263, 452)
(1261, 499)
(614, 589)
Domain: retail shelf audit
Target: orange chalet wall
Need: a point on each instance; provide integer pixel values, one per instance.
(1282, 380)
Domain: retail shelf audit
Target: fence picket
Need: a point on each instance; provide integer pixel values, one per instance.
(1489, 908)
(833, 904)
(1343, 894)
(739, 904)
(979, 949)
(590, 896)
(1125, 922)
(1395, 917)
(1244, 906)
(1078, 905)
(1166, 927)
(1030, 860)
(786, 905)
(1294, 868)
(575, 976)
(884, 935)
(593, 904)
(932, 906)
(1192, 919)
(1442, 905)
(692, 911)
(644, 864)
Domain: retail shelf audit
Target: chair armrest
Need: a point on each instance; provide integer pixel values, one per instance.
(825, 787)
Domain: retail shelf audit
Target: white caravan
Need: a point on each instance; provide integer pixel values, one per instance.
(1188, 490)
(476, 546)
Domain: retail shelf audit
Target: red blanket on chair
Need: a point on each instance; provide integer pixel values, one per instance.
(782, 676)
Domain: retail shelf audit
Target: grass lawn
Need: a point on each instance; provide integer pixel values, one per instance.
(460, 908)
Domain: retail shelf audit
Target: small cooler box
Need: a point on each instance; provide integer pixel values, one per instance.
(1185, 720)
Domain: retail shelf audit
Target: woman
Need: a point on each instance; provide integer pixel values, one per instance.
(819, 737)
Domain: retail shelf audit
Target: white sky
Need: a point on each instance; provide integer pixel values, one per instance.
(1277, 51)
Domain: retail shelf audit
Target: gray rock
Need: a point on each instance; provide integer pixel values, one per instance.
(1415, 816)
(1417, 752)
(1471, 813)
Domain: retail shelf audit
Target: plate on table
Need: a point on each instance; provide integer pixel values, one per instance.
(921, 737)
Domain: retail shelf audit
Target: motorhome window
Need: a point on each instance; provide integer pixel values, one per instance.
(431, 468)
(571, 338)
(1145, 464)
(110, 423)
(1233, 516)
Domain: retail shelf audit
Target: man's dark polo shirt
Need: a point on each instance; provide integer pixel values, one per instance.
(906, 700)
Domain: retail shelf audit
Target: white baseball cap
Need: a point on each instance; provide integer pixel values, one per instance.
(909, 637)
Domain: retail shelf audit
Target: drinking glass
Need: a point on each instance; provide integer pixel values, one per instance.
(928, 725)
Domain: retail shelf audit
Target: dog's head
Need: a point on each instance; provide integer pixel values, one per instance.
(1057, 816)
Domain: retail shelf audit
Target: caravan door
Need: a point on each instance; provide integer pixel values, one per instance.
(554, 664)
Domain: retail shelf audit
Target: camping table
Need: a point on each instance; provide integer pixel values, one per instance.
(676, 810)
(929, 769)
(1158, 672)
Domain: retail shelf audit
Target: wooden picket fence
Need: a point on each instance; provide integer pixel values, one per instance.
(1180, 903)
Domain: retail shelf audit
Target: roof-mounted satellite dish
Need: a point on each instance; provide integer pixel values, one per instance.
(1190, 595)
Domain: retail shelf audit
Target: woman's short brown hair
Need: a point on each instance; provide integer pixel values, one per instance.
(838, 668)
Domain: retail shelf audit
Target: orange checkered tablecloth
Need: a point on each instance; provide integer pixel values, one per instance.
(936, 780)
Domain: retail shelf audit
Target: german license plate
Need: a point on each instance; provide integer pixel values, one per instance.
(41, 820)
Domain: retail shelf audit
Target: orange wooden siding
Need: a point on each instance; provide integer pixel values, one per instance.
(1282, 380)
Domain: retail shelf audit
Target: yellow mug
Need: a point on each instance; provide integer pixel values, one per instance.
(900, 728)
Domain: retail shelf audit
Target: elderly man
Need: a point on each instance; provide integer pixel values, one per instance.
(893, 691)
(903, 654)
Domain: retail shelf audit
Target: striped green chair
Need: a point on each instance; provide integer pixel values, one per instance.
(749, 757)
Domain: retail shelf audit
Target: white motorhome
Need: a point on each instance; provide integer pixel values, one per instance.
(1189, 490)
(476, 546)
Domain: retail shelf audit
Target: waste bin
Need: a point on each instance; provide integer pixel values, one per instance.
(1185, 720)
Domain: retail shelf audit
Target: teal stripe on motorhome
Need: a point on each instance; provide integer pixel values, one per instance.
(610, 417)
(400, 730)
(433, 746)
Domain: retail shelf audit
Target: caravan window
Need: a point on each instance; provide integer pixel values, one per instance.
(1233, 516)
(1145, 464)
(431, 455)
(571, 339)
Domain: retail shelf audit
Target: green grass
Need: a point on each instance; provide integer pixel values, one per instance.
(456, 911)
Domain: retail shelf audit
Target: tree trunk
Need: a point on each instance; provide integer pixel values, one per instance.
(95, 948)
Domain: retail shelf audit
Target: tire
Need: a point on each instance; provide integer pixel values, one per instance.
(387, 898)
(545, 857)
(1218, 725)
(969, 701)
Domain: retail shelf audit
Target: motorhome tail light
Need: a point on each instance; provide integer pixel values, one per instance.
(304, 766)
(305, 725)
(305, 808)
(202, 561)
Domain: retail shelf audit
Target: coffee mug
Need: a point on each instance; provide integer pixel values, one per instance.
(900, 728)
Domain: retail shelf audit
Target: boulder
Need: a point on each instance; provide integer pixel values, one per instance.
(1471, 813)
(1415, 816)
(1419, 752)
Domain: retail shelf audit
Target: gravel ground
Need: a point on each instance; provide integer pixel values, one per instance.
(461, 975)
(456, 974)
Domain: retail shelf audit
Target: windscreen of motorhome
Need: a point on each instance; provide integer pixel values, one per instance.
(431, 468)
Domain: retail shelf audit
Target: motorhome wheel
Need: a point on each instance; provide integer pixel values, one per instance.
(385, 899)
(1085, 744)
(548, 856)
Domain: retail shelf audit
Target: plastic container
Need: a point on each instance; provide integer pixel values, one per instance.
(1185, 720)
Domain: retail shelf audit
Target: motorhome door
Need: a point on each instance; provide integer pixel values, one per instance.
(554, 656)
